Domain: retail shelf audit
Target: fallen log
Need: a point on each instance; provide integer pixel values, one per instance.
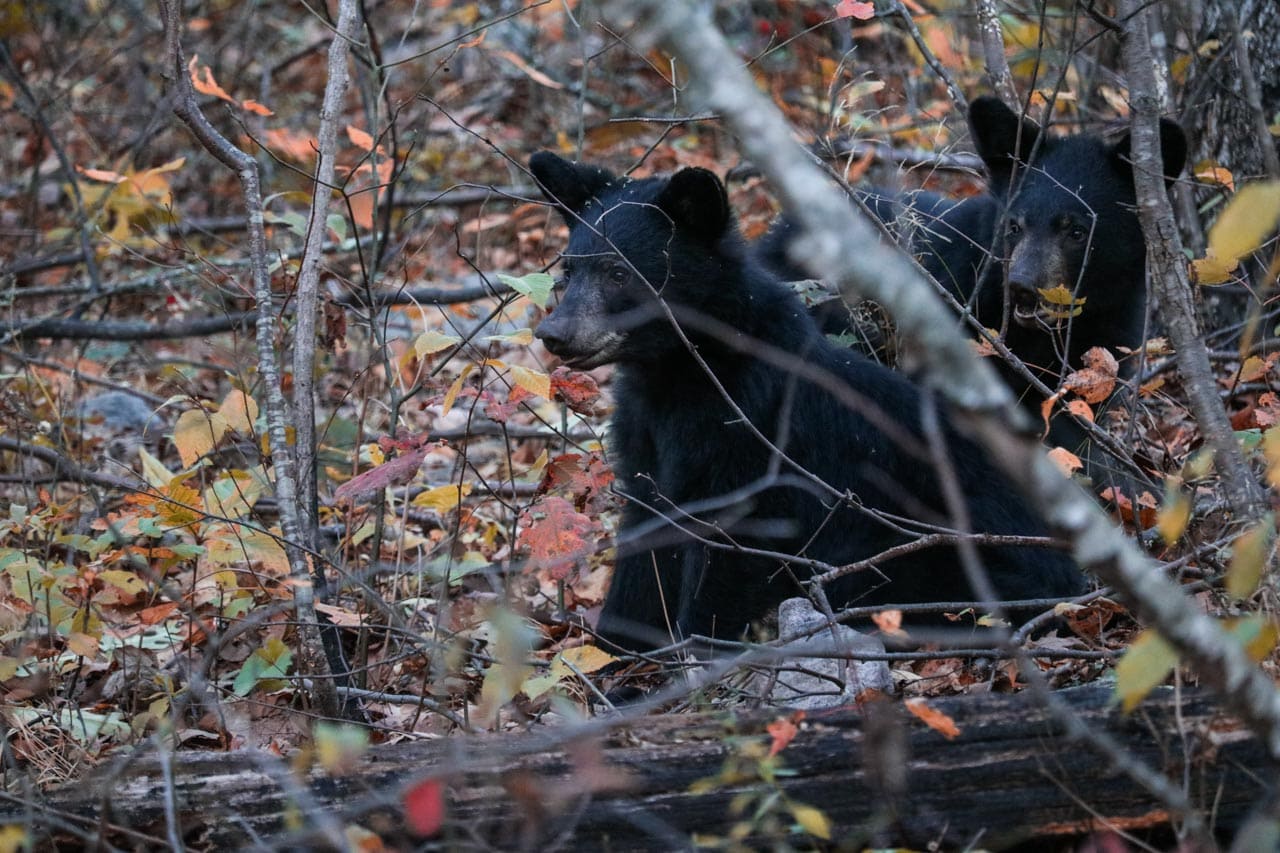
(875, 776)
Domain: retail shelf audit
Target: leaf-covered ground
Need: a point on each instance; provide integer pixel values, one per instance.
(465, 512)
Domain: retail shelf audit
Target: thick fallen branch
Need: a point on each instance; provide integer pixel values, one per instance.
(881, 778)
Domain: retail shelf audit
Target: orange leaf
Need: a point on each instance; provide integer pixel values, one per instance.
(1080, 409)
(362, 209)
(256, 108)
(933, 718)
(101, 175)
(204, 83)
(424, 807)
(157, 614)
(783, 730)
(1065, 460)
(1098, 378)
(359, 138)
(889, 621)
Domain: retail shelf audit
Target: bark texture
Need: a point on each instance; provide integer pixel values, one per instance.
(881, 778)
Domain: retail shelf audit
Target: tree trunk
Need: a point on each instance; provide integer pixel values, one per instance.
(880, 776)
(1220, 120)
(1229, 102)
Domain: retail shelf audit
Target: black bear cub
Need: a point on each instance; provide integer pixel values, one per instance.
(1060, 213)
(750, 450)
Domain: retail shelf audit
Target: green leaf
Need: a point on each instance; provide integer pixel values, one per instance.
(1144, 667)
(536, 285)
(268, 664)
(1257, 635)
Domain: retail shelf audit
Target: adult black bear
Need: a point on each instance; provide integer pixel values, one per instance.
(731, 470)
(1060, 213)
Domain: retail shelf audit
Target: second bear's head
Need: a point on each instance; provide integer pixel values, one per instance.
(640, 252)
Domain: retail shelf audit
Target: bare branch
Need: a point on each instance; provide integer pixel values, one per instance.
(310, 661)
(844, 248)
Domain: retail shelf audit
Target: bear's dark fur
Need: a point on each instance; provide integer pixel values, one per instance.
(655, 271)
(1067, 205)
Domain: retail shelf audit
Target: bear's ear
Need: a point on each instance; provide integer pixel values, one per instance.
(1173, 150)
(1001, 136)
(697, 202)
(568, 185)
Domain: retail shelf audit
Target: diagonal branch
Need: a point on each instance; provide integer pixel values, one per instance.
(845, 249)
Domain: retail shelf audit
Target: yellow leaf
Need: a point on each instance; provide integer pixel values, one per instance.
(14, 838)
(811, 820)
(182, 508)
(1247, 221)
(240, 411)
(533, 381)
(520, 337)
(153, 470)
(455, 388)
(196, 433)
(1271, 450)
(1144, 667)
(1174, 516)
(587, 658)
(1254, 369)
(442, 498)
(1211, 269)
(1250, 554)
(231, 544)
(339, 746)
(432, 342)
(83, 645)
(1059, 295)
(120, 579)
(1256, 634)
(1210, 172)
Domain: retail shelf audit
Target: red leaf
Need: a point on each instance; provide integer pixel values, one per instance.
(424, 807)
(502, 412)
(578, 390)
(855, 9)
(556, 541)
(568, 473)
(394, 472)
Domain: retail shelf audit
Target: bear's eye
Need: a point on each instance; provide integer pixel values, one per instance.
(618, 274)
(566, 270)
(1014, 229)
(1078, 233)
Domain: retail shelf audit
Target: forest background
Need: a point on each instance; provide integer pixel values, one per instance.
(275, 456)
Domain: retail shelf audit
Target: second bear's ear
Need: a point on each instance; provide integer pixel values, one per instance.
(1001, 136)
(1173, 149)
(570, 186)
(697, 202)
